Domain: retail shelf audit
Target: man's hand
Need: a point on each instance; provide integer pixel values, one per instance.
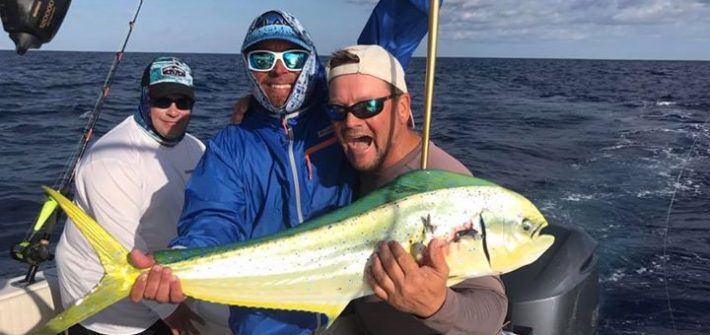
(158, 284)
(181, 322)
(240, 108)
(396, 277)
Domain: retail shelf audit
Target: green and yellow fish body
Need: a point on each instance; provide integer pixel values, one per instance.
(320, 265)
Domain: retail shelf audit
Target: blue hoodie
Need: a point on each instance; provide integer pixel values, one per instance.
(283, 166)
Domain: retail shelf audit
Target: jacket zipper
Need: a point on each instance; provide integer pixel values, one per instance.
(294, 169)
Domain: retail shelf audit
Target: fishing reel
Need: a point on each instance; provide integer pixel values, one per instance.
(32, 253)
(31, 23)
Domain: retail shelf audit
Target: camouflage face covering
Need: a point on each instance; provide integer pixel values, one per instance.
(283, 26)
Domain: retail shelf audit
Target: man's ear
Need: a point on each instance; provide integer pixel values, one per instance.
(403, 108)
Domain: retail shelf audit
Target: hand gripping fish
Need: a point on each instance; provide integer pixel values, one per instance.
(320, 265)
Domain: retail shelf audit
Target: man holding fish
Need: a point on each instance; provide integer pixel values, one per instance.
(282, 165)
(284, 73)
(373, 121)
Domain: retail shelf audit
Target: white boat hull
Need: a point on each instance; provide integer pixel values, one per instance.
(23, 307)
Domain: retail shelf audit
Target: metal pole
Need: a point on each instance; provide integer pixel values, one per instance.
(429, 79)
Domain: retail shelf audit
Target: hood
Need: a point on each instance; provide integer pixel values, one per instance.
(277, 24)
(163, 76)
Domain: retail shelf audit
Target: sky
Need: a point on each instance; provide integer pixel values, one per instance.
(591, 29)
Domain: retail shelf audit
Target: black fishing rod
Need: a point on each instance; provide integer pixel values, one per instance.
(34, 249)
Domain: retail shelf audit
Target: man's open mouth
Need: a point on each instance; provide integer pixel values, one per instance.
(359, 143)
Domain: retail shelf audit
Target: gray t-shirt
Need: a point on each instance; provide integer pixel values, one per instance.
(474, 306)
(438, 159)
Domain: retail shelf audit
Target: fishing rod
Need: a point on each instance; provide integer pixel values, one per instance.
(34, 250)
(429, 78)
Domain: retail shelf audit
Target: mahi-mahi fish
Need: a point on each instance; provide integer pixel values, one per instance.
(319, 266)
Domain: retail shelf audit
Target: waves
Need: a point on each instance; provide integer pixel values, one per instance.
(597, 144)
(601, 145)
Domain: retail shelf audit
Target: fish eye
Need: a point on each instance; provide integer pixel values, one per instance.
(527, 226)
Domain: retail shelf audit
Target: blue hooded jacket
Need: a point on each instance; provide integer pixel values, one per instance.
(281, 167)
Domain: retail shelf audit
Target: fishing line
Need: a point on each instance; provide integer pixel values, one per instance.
(676, 186)
(70, 168)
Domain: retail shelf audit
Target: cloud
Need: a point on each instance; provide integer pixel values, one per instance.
(564, 20)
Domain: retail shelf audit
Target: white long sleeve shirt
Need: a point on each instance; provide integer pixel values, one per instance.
(134, 188)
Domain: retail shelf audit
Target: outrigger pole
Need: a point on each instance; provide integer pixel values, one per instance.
(429, 79)
(32, 250)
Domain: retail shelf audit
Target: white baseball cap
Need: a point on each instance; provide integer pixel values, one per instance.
(373, 60)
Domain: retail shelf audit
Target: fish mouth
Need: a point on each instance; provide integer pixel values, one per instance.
(536, 232)
(540, 242)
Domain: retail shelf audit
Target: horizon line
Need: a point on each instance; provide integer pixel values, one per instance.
(445, 56)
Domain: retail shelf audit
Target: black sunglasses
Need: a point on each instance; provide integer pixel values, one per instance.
(183, 103)
(362, 110)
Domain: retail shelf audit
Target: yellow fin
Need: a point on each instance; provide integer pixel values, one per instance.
(110, 252)
(109, 290)
(118, 278)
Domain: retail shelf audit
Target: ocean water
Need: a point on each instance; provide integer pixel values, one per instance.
(596, 144)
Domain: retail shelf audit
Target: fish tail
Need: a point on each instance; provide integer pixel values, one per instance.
(109, 290)
(118, 278)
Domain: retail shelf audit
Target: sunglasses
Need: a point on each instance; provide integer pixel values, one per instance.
(183, 103)
(362, 110)
(265, 60)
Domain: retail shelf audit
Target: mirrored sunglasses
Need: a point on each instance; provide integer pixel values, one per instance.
(182, 103)
(362, 110)
(265, 60)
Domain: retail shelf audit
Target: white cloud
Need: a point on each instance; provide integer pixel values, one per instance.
(615, 29)
(654, 12)
(512, 20)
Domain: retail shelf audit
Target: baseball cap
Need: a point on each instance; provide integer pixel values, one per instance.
(168, 76)
(373, 60)
(272, 26)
